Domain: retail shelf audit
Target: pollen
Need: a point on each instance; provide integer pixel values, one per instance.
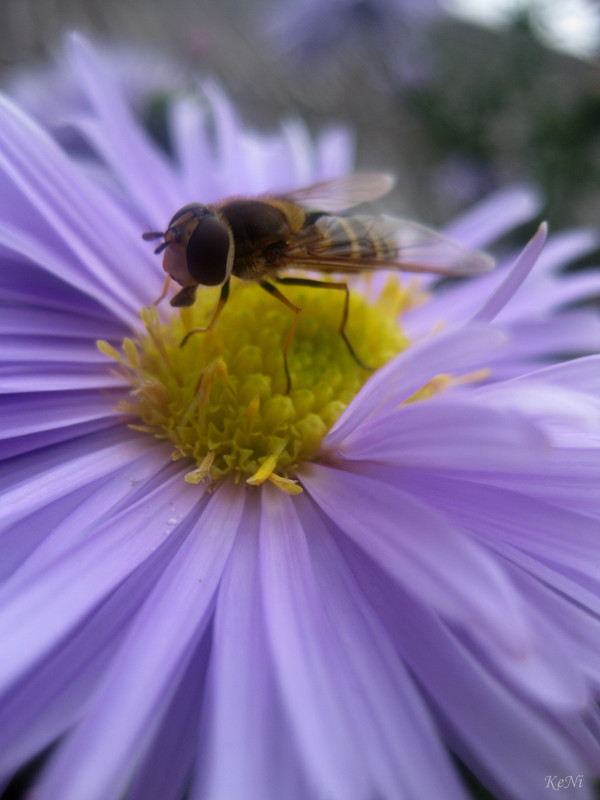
(222, 399)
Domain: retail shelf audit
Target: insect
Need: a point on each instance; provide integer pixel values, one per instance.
(257, 238)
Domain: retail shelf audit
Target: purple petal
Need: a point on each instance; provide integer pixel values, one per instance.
(582, 373)
(168, 767)
(307, 675)
(561, 603)
(555, 545)
(195, 155)
(571, 479)
(61, 596)
(565, 247)
(38, 539)
(495, 216)
(521, 269)
(21, 244)
(134, 159)
(34, 377)
(453, 351)
(53, 350)
(570, 332)
(246, 750)
(424, 552)
(98, 760)
(546, 295)
(300, 151)
(335, 152)
(447, 433)
(233, 171)
(19, 540)
(380, 693)
(542, 294)
(27, 285)
(53, 697)
(74, 214)
(46, 322)
(451, 304)
(503, 738)
(19, 445)
(560, 406)
(28, 414)
(549, 533)
(35, 480)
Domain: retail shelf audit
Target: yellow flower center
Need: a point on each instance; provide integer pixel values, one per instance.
(221, 399)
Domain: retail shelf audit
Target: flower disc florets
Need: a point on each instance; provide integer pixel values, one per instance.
(221, 399)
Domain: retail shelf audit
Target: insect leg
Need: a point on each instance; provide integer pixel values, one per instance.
(331, 285)
(165, 289)
(272, 290)
(220, 306)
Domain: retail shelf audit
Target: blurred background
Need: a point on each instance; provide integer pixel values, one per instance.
(457, 97)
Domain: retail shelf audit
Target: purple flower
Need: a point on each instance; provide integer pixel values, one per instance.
(433, 591)
(388, 36)
(52, 94)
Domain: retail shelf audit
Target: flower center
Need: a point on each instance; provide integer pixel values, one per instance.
(221, 399)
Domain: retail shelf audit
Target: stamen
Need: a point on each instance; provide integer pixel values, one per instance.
(286, 485)
(222, 399)
(203, 471)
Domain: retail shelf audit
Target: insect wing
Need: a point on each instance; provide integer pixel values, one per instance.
(342, 193)
(421, 249)
(356, 243)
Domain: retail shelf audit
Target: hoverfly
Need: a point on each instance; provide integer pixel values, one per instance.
(257, 238)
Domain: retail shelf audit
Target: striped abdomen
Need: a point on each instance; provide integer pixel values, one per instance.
(356, 237)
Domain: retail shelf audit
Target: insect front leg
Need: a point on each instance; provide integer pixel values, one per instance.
(331, 285)
(164, 292)
(220, 306)
(272, 290)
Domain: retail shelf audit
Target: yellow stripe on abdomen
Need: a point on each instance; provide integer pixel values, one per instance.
(356, 237)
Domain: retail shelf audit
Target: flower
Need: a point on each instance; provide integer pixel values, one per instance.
(391, 36)
(50, 92)
(433, 591)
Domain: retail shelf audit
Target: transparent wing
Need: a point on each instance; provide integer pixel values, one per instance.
(342, 193)
(356, 243)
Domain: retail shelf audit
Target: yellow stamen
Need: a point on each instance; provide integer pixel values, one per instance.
(221, 399)
(264, 472)
(286, 485)
(203, 471)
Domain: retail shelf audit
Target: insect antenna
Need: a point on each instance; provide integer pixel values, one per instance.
(150, 235)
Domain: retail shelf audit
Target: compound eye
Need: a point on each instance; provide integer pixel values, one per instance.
(207, 252)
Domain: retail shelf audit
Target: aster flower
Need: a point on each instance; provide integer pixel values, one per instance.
(431, 593)
(51, 93)
(389, 34)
